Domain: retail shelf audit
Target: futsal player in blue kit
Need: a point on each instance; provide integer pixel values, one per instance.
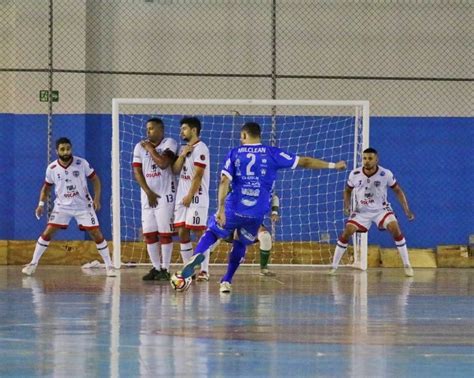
(251, 169)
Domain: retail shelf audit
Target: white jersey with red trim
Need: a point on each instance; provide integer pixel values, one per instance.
(70, 183)
(160, 181)
(371, 191)
(199, 157)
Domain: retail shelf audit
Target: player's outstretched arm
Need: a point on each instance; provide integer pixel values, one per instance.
(313, 163)
(44, 193)
(403, 201)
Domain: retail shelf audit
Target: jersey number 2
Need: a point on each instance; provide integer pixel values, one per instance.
(250, 164)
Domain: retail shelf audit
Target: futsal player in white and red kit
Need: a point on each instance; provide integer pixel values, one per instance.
(69, 176)
(192, 199)
(152, 159)
(369, 184)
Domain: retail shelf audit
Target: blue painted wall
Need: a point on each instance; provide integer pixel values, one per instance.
(431, 158)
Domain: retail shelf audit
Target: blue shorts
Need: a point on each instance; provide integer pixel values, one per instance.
(247, 228)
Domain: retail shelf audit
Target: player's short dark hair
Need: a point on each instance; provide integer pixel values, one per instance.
(62, 140)
(253, 129)
(158, 121)
(193, 123)
(370, 150)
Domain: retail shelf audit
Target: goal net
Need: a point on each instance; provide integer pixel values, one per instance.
(311, 201)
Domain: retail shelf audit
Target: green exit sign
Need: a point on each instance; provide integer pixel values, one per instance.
(44, 96)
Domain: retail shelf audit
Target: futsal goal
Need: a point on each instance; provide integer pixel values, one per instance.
(311, 201)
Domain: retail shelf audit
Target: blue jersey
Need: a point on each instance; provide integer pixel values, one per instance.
(252, 168)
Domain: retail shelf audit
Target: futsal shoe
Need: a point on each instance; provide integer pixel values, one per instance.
(226, 287)
(332, 271)
(202, 276)
(29, 269)
(164, 275)
(266, 273)
(408, 271)
(188, 269)
(152, 275)
(111, 271)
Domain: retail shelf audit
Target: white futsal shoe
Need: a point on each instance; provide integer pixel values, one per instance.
(29, 269)
(111, 271)
(408, 271)
(226, 287)
(332, 271)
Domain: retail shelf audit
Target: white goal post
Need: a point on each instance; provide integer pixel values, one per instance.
(311, 201)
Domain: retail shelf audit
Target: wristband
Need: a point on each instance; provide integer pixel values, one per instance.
(331, 165)
(41, 204)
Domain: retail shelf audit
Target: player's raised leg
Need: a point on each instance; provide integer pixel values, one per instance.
(204, 245)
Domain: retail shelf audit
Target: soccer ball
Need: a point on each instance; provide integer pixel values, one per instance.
(179, 283)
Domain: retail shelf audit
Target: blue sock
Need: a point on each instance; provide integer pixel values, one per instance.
(235, 258)
(206, 241)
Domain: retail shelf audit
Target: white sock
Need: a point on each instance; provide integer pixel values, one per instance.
(186, 251)
(205, 263)
(403, 251)
(40, 248)
(338, 253)
(154, 254)
(103, 249)
(166, 252)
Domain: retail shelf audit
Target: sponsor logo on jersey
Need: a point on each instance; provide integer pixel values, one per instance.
(377, 183)
(78, 162)
(202, 157)
(248, 202)
(382, 173)
(250, 192)
(53, 166)
(71, 195)
(356, 172)
(153, 174)
(75, 173)
(185, 177)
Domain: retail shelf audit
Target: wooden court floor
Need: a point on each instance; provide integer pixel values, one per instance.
(70, 322)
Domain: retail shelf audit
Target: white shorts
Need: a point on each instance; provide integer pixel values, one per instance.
(86, 219)
(193, 217)
(158, 219)
(363, 221)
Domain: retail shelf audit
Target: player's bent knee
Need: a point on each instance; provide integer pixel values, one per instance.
(265, 240)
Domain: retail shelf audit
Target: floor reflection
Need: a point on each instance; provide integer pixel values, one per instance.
(66, 321)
